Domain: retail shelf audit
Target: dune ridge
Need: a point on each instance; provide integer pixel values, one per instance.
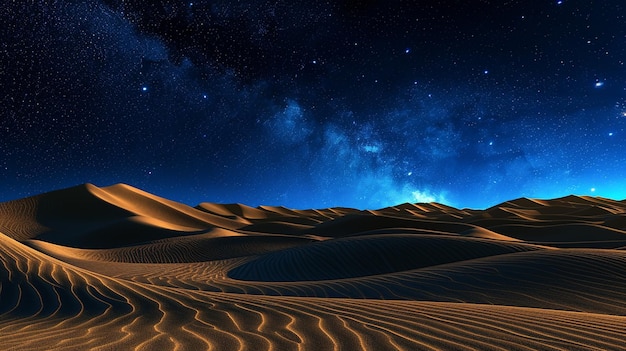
(118, 268)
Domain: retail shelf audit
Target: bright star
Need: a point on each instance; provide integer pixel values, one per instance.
(599, 84)
(407, 51)
(593, 190)
(486, 72)
(144, 88)
(611, 134)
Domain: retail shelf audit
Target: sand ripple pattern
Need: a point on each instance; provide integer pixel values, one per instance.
(117, 268)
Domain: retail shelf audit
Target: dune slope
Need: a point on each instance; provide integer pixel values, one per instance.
(117, 268)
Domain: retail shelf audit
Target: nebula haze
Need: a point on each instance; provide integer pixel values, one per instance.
(308, 105)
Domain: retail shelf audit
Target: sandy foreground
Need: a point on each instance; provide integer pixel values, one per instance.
(116, 268)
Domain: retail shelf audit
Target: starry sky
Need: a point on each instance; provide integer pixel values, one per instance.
(311, 104)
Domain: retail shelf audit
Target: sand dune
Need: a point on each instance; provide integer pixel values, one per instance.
(117, 268)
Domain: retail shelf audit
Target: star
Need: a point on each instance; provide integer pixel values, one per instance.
(599, 84)
(144, 88)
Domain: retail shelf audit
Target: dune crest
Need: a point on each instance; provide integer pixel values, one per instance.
(119, 268)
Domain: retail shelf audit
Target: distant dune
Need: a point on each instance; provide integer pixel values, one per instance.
(117, 268)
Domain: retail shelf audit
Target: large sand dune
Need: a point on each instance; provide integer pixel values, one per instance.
(116, 268)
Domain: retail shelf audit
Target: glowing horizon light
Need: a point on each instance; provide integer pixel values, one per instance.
(423, 197)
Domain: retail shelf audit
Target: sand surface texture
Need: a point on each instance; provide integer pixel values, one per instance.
(116, 268)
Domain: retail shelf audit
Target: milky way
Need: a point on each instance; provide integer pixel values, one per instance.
(315, 104)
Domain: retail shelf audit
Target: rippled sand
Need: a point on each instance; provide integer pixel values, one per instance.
(116, 268)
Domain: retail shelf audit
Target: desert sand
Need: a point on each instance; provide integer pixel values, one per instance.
(117, 268)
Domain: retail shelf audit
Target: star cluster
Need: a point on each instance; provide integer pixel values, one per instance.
(314, 104)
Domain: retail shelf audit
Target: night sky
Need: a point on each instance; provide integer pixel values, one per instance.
(311, 104)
